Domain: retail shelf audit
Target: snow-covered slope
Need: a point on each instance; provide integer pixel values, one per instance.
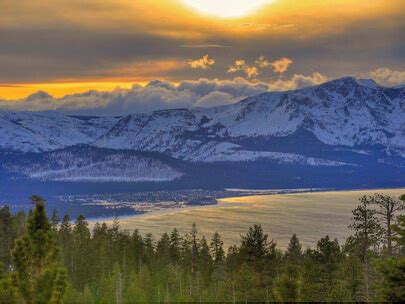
(46, 131)
(83, 163)
(344, 114)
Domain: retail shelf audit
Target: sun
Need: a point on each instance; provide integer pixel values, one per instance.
(226, 8)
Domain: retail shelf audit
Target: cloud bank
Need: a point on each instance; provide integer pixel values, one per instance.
(157, 95)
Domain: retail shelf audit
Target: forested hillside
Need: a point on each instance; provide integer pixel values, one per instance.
(55, 261)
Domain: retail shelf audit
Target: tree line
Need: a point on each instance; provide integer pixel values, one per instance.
(52, 260)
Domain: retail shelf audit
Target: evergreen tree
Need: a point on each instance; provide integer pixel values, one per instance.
(294, 251)
(217, 248)
(348, 280)
(55, 220)
(175, 242)
(254, 244)
(194, 248)
(288, 287)
(366, 226)
(392, 287)
(367, 235)
(135, 293)
(7, 235)
(36, 260)
(387, 206)
(8, 293)
(205, 261)
(82, 261)
(65, 241)
(163, 250)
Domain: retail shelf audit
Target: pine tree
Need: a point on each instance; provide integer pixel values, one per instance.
(368, 233)
(36, 260)
(135, 293)
(393, 277)
(388, 206)
(367, 228)
(55, 220)
(65, 240)
(254, 244)
(205, 261)
(163, 250)
(294, 250)
(7, 235)
(82, 262)
(217, 249)
(194, 248)
(8, 293)
(175, 242)
(288, 286)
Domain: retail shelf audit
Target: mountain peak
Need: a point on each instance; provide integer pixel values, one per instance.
(350, 80)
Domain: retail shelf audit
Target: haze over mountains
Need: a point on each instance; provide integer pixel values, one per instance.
(349, 124)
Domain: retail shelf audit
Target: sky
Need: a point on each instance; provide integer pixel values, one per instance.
(141, 55)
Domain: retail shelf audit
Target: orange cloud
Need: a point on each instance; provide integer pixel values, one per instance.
(203, 63)
(281, 65)
(240, 65)
(262, 62)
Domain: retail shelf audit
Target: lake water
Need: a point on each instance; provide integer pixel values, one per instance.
(309, 215)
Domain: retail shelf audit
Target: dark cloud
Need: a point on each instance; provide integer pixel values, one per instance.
(75, 40)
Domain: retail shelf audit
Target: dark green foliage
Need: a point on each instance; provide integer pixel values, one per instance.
(8, 234)
(37, 273)
(367, 228)
(55, 261)
(288, 287)
(8, 293)
(393, 279)
(217, 248)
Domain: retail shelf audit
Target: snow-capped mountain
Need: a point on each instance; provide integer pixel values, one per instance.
(47, 131)
(314, 126)
(344, 112)
(84, 163)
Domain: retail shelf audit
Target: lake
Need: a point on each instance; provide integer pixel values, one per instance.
(309, 215)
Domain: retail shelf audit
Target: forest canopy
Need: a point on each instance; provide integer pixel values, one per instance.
(53, 260)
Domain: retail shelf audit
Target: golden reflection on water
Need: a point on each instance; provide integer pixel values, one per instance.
(309, 215)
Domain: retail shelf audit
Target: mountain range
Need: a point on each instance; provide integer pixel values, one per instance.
(343, 131)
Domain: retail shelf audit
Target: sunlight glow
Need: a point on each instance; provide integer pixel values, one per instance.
(226, 8)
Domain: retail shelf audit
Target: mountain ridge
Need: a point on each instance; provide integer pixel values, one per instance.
(346, 122)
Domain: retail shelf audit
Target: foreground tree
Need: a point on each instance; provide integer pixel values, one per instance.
(8, 293)
(288, 287)
(392, 288)
(387, 208)
(368, 232)
(366, 226)
(7, 235)
(37, 274)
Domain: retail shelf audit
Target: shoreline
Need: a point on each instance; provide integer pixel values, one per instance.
(250, 193)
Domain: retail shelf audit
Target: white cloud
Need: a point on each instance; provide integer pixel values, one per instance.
(386, 76)
(158, 95)
(297, 82)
